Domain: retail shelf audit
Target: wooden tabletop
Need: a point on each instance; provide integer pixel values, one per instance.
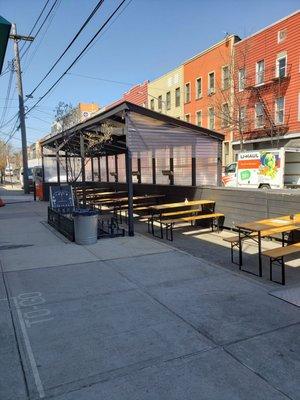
(91, 195)
(181, 204)
(283, 222)
(87, 189)
(122, 199)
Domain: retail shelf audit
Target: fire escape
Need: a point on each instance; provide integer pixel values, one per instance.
(263, 90)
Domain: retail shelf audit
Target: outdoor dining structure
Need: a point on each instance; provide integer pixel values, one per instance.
(129, 147)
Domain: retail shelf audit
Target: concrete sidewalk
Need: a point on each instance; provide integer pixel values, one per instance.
(134, 319)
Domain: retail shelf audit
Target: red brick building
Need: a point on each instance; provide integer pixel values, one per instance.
(208, 89)
(138, 94)
(267, 86)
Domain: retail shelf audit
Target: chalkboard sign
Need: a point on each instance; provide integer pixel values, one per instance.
(61, 198)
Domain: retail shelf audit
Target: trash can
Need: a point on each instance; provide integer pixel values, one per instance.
(85, 226)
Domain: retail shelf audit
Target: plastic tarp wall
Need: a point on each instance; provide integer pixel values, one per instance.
(167, 141)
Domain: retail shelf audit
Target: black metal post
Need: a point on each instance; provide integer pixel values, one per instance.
(128, 159)
(43, 172)
(139, 170)
(82, 155)
(194, 171)
(116, 169)
(219, 164)
(99, 170)
(171, 176)
(92, 165)
(67, 167)
(107, 169)
(57, 167)
(153, 170)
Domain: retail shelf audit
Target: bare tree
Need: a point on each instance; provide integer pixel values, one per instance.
(66, 116)
(5, 150)
(230, 97)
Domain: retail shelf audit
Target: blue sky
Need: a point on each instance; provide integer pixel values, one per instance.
(149, 38)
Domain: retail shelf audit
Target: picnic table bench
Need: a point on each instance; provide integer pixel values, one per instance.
(263, 228)
(277, 256)
(160, 214)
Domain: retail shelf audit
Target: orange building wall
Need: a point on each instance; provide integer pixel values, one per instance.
(264, 46)
(201, 65)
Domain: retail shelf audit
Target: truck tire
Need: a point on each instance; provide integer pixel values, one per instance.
(264, 186)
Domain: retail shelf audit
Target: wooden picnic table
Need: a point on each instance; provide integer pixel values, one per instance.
(157, 212)
(181, 204)
(276, 225)
(103, 194)
(91, 189)
(120, 200)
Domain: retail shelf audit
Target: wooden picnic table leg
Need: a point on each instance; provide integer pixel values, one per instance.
(259, 255)
(240, 250)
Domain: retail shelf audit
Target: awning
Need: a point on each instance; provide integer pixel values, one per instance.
(4, 35)
(292, 144)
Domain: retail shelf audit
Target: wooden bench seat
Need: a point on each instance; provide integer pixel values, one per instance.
(277, 256)
(169, 223)
(157, 217)
(234, 240)
(282, 251)
(192, 218)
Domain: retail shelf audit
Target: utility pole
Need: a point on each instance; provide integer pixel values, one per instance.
(15, 37)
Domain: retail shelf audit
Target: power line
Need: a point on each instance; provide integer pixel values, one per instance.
(25, 68)
(102, 79)
(14, 129)
(5, 107)
(98, 5)
(10, 120)
(41, 26)
(40, 119)
(77, 58)
(109, 25)
(35, 24)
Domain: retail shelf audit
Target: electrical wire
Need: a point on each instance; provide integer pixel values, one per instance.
(78, 57)
(26, 64)
(98, 5)
(10, 120)
(40, 28)
(102, 79)
(35, 24)
(109, 25)
(5, 107)
(14, 129)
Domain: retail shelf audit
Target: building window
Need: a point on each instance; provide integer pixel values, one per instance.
(211, 118)
(152, 104)
(159, 105)
(168, 100)
(279, 110)
(242, 118)
(260, 72)
(177, 97)
(198, 88)
(187, 92)
(199, 118)
(211, 83)
(281, 67)
(242, 79)
(281, 35)
(225, 77)
(225, 115)
(187, 117)
(259, 115)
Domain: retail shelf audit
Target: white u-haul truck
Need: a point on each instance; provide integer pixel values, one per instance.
(264, 169)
